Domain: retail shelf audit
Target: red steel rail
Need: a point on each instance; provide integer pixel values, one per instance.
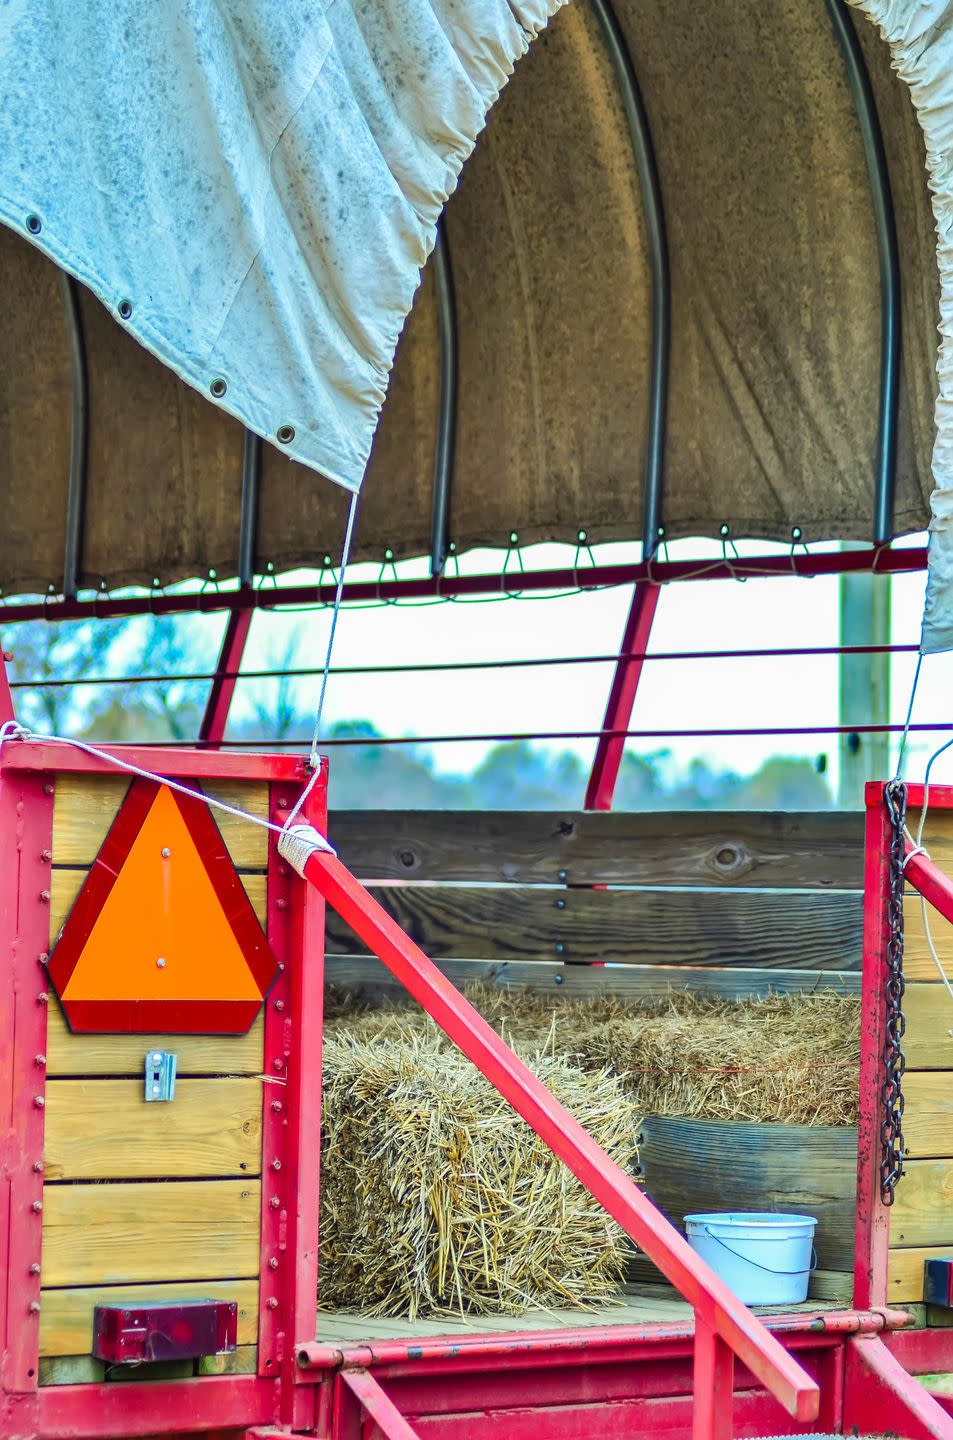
(883, 560)
(725, 1328)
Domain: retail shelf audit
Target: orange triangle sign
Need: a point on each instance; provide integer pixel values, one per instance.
(163, 936)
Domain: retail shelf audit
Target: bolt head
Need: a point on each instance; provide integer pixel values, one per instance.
(279, 1004)
(272, 1303)
(37, 1206)
(46, 856)
(45, 897)
(39, 1102)
(276, 1106)
(34, 1269)
(47, 789)
(44, 959)
(42, 998)
(160, 963)
(34, 1307)
(272, 1263)
(274, 1202)
(166, 852)
(39, 1061)
(276, 1164)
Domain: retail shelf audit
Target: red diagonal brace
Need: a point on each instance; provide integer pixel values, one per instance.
(931, 882)
(714, 1304)
(378, 1404)
(212, 730)
(625, 683)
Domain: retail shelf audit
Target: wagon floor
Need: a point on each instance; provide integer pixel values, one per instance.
(636, 1305)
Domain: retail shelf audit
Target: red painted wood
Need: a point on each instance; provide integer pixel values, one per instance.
(33, 755)
(922, 1352)
(26, 827)
(712, 1385)
(931, 882)
(172, 1407)
(880, 1395)
(606, 1181)
(625, 684)
(883, 561)
(873, 1217)
(215, 719)
(378, 1405)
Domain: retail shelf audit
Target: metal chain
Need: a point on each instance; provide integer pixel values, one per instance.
(891, 1124)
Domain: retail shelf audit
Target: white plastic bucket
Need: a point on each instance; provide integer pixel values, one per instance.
(766, 1259)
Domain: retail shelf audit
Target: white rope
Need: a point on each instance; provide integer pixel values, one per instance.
(12, 730)
(297, 843)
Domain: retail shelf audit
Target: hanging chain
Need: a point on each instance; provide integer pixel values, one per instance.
(891, 1124)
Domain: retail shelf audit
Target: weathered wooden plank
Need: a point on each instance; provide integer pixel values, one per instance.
(65, 885)
(708, 1165)
(928, 1040)
(816, 850)
(928, 1113)
(918, 963)
(369, 980)
(121, 1234)
(922, 1212)
(836, 1286)
(905, 1270)
(66, 1317)
(104, 1130)
(243, 1360)
(85, 806)
(655, 927)
(72, 1370)
(84, 1055)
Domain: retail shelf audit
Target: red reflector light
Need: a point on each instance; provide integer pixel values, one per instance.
(174, 1330)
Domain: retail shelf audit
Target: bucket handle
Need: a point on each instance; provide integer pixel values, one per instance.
(766, 1268)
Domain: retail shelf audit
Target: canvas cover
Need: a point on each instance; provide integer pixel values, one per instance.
(282, 168)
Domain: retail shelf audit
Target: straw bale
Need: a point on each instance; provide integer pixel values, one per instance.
(437, 1197)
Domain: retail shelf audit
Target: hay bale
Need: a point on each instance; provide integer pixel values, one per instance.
(437, 1197)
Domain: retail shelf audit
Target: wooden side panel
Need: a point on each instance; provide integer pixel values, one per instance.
(918, 963)
(65, 885)
(928, 1041)
(105, 1130)
(905, 1271)
(366, 977)
(928, 1113)
(85, 807)
(923, 1210)
(117, 1234)
(86, 1055)
(790, 851)
(653, 927)
(66, 1318)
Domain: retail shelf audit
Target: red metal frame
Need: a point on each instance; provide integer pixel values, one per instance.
(881, 1395)
(882, 560)
(625, 683)
(215, 719)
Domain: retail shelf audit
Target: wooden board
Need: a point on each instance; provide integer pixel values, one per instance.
(85, 806)
(716, 1165)
(366, 977)
(119, 1234)
(65, 885)
(83, 1055)
(905, 1271)
(817, 850)
(928, 1041)
(918, 963)
(104, 1130)
(922, 1212)
(928, 1112)
(654, 927)
(66, 1318)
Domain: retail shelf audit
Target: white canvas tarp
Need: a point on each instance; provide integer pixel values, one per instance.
(252, 186)
(920, 36)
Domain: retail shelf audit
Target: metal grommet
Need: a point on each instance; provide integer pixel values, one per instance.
(286, 433)
(125, 309)
(724, 531)
(218, 388)
(34, 224)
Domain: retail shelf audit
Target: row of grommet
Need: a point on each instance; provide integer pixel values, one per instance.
(218, 388)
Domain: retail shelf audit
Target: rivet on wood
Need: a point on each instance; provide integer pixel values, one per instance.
(39, 1061)
(272, 1263)
(39, 1102)
(34, 1307)
(279, 1004)
(272, 1303)
(560, 948)
(44, 959)
(47, 789)
(274, 1202)
(46, 856)
(42, 998)
(560, 904)
(563, 875)
(45, 896)
(276, 1106)
(37, 1206)
(276, 1164)
(34, 1268)
(279, 1064)
(38, 1167)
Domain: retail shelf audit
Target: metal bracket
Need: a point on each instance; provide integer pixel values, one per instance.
(160, 1075)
